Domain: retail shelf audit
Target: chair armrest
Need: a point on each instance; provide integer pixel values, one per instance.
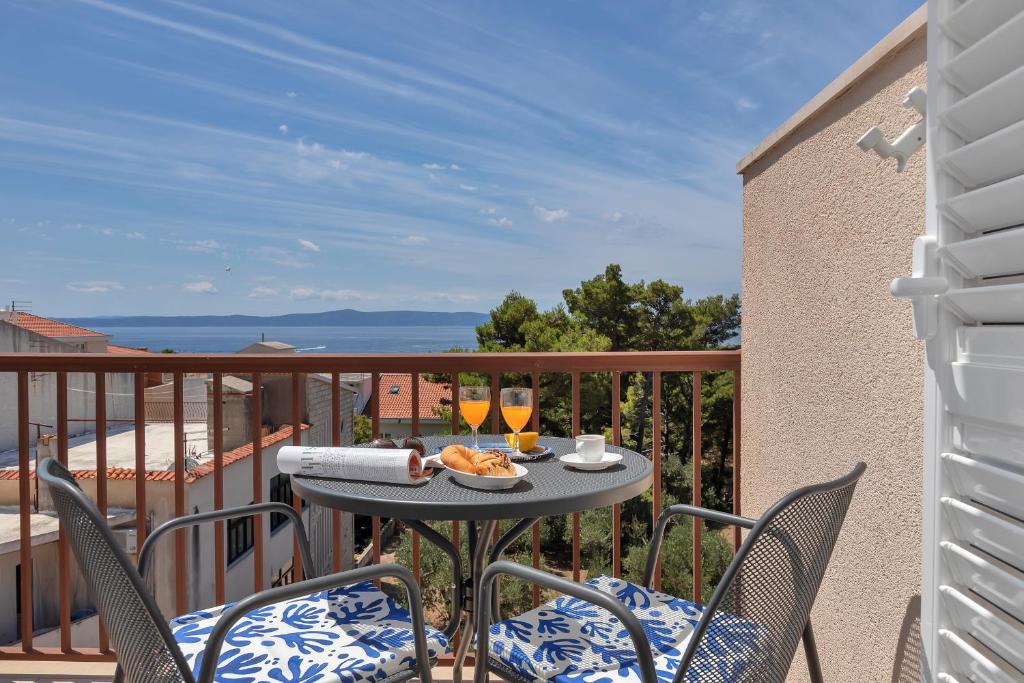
(675, 510)
(272, 596)
(483, 616)
(228, 513)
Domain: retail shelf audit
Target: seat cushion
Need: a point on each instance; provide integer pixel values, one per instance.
(340, 635)
(571, 640)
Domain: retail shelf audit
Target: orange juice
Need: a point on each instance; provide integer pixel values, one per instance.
(516, 417)
(474, 412)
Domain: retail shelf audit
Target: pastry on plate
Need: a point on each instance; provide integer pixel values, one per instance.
(491, 463)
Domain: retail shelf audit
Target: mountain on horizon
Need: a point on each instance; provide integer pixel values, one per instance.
(340, 318)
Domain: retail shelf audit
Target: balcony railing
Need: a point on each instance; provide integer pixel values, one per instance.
(21, 369)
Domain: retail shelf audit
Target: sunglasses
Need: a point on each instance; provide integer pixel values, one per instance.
(409, 442)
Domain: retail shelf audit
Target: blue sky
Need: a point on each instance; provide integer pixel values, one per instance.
(167, 157)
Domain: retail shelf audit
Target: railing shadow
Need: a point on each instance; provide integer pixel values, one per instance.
(907, 665)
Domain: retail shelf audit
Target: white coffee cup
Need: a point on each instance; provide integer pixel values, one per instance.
(590, 447)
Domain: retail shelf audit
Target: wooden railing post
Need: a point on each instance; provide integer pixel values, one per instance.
(63, 554)
(492, 366)
(258, 566)
(737, 470)
(219, 567)
(698, 524)
(180, 560)
(25, 513)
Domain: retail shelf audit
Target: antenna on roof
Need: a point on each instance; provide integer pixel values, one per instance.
(17, 306)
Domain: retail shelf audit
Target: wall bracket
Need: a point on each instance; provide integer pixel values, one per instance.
(908, 143)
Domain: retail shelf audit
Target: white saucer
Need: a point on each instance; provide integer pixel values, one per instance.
(490, 482)
(607, 460)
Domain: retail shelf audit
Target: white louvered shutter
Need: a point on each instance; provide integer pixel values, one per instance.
(973, 602)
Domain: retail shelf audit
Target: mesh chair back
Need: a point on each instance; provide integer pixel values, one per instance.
(138, 635)
(760, 614)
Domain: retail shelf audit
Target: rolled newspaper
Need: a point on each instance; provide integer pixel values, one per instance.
(394, 466)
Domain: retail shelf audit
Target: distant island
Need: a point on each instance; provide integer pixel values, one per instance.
(341, 318)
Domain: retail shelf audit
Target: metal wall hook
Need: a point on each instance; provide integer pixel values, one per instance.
(908, 143)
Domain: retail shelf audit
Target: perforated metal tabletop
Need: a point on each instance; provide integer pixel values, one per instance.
(549, 489)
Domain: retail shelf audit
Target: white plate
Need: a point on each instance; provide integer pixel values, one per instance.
(489, 482)
(434, 461)
(607, 460)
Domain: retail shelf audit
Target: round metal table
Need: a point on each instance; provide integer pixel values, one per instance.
(550, 489)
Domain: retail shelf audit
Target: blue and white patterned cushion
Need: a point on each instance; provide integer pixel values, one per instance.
(573, 641)
(342, 635)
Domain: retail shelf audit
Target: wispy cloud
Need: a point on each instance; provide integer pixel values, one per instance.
(352, 295)
(309, 245)
(279, 257)
(262, 292)
(416, 239)
(746, 104)
(95, 286)
(434, 166)
(200, 287)
(435, 298)
(550, 215)
(283, 129)
(200, 246)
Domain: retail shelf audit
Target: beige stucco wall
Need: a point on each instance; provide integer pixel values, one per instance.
(831, 373)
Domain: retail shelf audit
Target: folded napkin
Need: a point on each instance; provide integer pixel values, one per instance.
(388, 465)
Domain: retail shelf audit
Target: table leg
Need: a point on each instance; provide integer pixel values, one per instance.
(479, 539)
(507, 539)
(458, 588)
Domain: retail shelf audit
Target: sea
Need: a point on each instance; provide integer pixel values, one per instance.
(405, 339)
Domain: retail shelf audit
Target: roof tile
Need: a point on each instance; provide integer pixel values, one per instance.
(50, 328)
(396, 404)
(126, 350)
(128, 474)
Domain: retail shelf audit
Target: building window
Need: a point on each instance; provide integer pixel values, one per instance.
(240, 537)
(17, 592)
(280, 492)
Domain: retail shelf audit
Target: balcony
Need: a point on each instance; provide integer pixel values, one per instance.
(139, 487)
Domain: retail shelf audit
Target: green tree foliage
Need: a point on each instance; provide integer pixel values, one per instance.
(436, 572)
(606, 313)
(362, 429)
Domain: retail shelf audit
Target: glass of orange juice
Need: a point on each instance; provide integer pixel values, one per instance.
(474, 404)
(516, 407)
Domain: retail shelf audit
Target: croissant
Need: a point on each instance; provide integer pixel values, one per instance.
(464, 459)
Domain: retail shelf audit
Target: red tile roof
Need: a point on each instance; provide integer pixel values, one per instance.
(50, 328)
(397, 405)
(245, 451)
(128, 474)
(126, 350)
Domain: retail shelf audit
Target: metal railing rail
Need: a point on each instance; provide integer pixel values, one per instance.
(178, 365)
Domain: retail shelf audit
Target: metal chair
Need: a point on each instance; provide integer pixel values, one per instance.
(748, 631)
(330, 629)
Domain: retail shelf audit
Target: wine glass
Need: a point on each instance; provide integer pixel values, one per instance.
(474, 404)
(516, 407)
